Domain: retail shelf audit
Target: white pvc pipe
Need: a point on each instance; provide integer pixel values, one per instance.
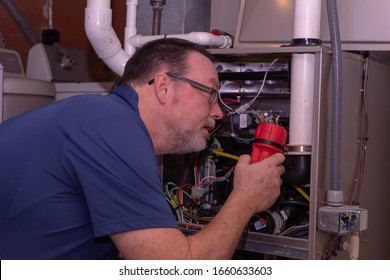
(131, 24)
(307, 19)
(301, 103)
(202, 38)
(98, 27)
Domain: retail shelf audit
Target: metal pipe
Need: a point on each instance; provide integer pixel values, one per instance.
(156, 22)
(157, 6)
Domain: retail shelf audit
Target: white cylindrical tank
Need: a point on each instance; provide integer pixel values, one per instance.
(21, 95)
(18, 93)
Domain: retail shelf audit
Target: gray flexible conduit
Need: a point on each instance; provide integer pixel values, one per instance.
(20, 21)
(337, 95)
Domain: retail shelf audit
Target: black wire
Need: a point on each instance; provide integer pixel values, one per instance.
(243, 242)
(293, 202)
(177, 207)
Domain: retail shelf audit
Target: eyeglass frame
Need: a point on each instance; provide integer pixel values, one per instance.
(213, 92)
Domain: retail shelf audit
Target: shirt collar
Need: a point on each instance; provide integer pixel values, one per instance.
(126, 95)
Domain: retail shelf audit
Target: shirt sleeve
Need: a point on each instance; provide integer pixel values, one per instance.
(113, 162)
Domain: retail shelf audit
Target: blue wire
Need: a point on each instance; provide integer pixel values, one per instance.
(234, 134)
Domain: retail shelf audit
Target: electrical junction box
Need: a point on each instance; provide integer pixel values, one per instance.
(342, 219)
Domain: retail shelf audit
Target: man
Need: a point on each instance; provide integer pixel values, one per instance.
(79, 178)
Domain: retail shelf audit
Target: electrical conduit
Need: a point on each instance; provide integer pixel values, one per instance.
(20, 21)
(335, 195)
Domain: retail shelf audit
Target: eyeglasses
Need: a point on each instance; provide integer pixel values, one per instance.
(212, 92)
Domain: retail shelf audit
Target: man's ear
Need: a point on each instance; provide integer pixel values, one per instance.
(161, 88)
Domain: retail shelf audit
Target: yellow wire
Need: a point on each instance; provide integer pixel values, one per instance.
(173, 203)
(220, 153)
(302, 193)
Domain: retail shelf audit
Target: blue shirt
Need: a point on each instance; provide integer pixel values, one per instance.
(74, 172)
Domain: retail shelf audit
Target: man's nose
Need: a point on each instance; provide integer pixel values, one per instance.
(216, 111)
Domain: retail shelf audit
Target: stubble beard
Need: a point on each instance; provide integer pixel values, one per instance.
(188, 140)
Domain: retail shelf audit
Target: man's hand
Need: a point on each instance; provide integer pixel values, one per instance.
(258, 184)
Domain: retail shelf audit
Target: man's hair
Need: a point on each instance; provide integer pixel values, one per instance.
(169, 53)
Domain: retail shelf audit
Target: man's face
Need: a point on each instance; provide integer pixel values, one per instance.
(193, 116)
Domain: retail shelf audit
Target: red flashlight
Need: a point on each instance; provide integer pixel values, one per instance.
(269, 139)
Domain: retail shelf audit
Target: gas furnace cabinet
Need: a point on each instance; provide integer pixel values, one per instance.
(376, 191)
